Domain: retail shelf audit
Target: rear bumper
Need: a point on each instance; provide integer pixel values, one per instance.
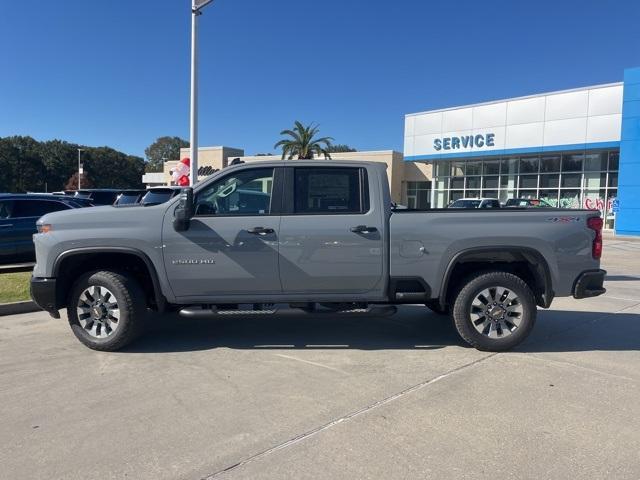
(43, 292)
(589, 284)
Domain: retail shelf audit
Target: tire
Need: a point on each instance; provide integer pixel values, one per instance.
(494, 311)
(434, 306)
(106, 310)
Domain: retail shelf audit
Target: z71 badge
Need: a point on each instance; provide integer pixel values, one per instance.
(201, 261)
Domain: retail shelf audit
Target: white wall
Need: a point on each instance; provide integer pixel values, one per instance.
(581, 116)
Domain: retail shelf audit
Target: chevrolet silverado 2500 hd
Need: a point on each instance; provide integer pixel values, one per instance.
(320, 236)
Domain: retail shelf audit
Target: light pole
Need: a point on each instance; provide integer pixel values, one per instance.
(196, 11)
(79, 168)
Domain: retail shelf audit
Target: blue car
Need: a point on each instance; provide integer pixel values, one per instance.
(18, 216)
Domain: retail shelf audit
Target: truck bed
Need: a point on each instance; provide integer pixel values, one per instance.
(424, 243)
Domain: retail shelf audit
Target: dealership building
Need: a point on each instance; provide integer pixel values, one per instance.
(576, 148)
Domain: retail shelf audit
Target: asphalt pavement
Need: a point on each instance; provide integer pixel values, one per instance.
(323, 397)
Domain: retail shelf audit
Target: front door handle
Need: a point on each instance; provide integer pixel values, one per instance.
(363, 229)
(261, 230)
(6, 225)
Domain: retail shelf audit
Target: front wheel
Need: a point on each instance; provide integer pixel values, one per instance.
(494, 311)
(106, 310)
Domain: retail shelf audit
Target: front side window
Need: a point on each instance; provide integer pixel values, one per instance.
(36, 208)
(247, 192)
(328, 190)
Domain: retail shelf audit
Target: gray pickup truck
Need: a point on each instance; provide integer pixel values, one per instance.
(319, 236)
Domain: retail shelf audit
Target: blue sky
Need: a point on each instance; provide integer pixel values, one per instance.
(117, 72)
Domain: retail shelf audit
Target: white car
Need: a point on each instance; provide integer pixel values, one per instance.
(475, 203)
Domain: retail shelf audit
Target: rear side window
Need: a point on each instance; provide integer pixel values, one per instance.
(36, 208)
(5, 209)
(329, 190)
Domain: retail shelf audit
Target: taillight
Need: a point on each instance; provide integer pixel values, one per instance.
(595, 224)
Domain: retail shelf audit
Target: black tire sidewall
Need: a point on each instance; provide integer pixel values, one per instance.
(127, 294)
(462, 308)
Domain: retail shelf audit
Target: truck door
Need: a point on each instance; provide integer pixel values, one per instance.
(231, 246)
(331, 239)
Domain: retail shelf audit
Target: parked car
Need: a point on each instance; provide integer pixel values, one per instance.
(475, 203)
(527, 203)
(99, 196)
(18, 215)
(325, 242)
(129, 197)
(158, 195)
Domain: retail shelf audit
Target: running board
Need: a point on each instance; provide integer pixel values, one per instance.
(199, 312)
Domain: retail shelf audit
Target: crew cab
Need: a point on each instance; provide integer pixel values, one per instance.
(318, 236)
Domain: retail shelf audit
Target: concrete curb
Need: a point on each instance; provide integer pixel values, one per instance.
(18, 307)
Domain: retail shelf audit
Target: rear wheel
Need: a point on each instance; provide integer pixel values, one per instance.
(106, 310)
(494, 311)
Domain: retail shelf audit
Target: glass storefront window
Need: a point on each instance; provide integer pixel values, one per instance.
(527, 194)
(549, 181)
(457, 169)
(491, 167)
(569, 199)
(455, 195)
(549, 196)
(473, 182)
(595, 180)
(457, 182)
(572, 162)
(595, 162)
(442, 169)
(474, 168)
(571, 180)
(528, 181)
(490, 194)
(490, 182)
(550, 163)
(529, 165)
(509, 166)
(419, 195)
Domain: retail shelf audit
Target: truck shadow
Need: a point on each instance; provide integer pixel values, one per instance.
(413, 327)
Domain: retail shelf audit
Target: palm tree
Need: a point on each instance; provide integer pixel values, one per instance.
(302, 144)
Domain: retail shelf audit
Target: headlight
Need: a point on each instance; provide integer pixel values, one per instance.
(44, 227)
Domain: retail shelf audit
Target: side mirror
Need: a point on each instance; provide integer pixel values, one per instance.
(184, 211)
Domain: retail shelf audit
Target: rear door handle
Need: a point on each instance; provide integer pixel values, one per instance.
(6, 225)
(363, 229)
(261, 230)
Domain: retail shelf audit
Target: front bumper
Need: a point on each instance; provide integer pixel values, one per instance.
(589, 284)
(43, 292)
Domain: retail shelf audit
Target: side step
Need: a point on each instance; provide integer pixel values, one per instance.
(200, 312)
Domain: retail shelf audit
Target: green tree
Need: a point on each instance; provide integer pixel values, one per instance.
(163, 149)
(29, 165)
(341, 147)
(302, 143)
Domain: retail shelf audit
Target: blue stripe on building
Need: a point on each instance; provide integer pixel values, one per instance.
(513, 151)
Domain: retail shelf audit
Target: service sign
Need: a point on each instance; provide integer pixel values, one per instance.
(464, 142)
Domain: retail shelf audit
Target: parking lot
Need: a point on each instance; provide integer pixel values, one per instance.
(306, 397)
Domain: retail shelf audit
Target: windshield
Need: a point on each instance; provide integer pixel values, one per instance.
(155, 197)
(465, 204)
(127, 198)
